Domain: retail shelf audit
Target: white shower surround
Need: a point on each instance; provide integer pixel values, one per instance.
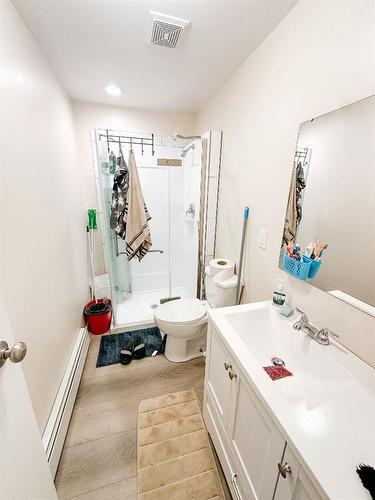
(168, 192)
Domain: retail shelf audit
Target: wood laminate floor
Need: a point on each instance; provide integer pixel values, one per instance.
(98, 461)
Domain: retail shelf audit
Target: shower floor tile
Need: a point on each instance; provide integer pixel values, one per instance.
(138, 307)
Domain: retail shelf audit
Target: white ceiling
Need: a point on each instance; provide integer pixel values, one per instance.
(91, 43)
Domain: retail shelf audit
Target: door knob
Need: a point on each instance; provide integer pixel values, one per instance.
(15, 353)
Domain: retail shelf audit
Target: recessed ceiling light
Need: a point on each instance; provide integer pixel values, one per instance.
(113, 90)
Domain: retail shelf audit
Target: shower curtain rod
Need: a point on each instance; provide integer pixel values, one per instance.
(133, 141)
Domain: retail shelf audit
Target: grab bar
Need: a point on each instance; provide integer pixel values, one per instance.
(118, 253)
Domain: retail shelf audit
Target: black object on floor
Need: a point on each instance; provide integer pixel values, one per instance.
(112, 345)
(367, 476)
(139, 348)
(126, 353)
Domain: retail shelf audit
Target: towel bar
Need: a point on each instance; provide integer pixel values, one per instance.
(118, 253)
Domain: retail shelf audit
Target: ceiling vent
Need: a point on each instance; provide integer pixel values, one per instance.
(167, 31)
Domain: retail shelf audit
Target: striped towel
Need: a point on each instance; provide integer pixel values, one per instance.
(136, 216)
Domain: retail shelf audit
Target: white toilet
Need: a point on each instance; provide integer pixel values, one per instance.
(184, 321)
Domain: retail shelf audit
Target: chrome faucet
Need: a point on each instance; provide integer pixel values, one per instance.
(304, 324)
(321, 336)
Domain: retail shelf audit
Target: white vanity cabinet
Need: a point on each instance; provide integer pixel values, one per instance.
(249, 445)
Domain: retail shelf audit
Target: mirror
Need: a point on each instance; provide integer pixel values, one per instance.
(332, 199)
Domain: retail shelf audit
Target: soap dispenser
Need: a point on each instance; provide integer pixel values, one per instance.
(279, 294)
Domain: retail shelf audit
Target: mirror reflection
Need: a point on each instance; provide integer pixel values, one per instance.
(329, 231)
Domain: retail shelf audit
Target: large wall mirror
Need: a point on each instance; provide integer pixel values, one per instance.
(332, 201)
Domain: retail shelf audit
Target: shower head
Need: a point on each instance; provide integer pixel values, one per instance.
(185, 150)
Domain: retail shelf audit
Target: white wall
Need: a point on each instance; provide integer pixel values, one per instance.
(339, 200)
(43, 241)
(90, 116)
(321, 57)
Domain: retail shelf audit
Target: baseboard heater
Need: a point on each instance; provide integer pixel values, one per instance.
(58, 421)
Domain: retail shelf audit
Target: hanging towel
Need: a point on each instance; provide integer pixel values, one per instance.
(300, 186)
(290, 224)
(119, 196)
(294, 209)
(136, 217)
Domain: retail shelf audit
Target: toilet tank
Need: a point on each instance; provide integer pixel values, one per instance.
(222, 293)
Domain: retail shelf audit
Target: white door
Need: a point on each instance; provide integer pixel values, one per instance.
(24, 472)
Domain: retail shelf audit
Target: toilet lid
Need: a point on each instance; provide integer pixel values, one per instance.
(180, 311)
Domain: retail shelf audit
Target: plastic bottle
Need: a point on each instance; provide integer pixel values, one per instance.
(112, 162)
(279, 294)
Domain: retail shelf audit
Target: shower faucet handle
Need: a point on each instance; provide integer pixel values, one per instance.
(191, 210)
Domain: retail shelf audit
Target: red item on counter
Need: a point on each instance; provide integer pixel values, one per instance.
(276, 372)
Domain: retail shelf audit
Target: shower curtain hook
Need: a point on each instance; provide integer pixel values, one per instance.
(131, 144)
(107, 141)
(142, 145)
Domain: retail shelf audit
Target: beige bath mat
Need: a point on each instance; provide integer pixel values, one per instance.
(175, 460)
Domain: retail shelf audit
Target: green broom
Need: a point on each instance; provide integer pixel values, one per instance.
(91, 226)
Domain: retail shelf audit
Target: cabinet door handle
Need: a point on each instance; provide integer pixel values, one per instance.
(235, 487)
(232, 375)
(284, 469)
(227, 366)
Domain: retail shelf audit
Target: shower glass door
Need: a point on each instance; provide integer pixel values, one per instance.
(113, 247)
(170, 268)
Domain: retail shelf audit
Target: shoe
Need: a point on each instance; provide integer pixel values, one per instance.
(139, 349)
(126, 352)
(154, 345)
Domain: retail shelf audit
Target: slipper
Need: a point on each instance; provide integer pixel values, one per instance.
(126, 351)
(154, 345)
(139, 349)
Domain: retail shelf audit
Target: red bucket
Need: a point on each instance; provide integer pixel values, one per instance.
(98, 323)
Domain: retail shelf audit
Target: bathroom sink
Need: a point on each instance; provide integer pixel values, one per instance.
(266, 334)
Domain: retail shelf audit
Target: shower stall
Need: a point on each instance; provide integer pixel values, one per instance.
(174, 173)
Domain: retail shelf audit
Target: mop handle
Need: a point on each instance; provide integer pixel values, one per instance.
(239, 274)
(90, 244)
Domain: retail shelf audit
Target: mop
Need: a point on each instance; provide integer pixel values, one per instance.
(240, 262)
(91, 226)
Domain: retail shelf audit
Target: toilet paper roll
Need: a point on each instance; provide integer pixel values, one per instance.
(222, 269)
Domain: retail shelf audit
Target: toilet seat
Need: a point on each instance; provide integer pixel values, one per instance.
(180, 311)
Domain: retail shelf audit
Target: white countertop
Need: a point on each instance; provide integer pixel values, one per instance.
(326, 410)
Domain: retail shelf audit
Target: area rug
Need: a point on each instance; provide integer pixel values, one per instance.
(111, 345)
(175, 459)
